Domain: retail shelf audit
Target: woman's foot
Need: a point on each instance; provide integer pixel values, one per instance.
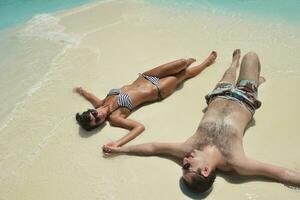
(194, 71)
(189, 61)
(210, 59)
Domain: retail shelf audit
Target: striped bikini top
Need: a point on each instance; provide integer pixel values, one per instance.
(123, 99)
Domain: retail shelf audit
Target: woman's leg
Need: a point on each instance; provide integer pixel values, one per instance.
(170, 68)
(170, 83)
(194, 71)
(177, 66)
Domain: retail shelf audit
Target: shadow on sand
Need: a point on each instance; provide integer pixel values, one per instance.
(193, 195)
(85, 134)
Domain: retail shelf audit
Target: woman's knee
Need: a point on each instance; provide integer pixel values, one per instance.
(182, 61)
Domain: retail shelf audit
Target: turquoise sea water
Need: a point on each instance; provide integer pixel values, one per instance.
(17, 11)
(274, 10)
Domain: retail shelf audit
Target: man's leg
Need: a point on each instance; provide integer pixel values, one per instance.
(250, 69)
(230, 74)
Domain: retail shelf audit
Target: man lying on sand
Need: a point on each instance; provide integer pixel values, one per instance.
(151, 86)
(218, 141)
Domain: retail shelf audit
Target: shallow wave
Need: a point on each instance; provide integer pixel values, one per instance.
(47, 26)
(26, 63)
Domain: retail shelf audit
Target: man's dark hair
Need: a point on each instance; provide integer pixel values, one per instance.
(201, 183)
(84, 120)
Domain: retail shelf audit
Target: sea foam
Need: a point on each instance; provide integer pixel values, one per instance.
(47, 26)
(34, 63)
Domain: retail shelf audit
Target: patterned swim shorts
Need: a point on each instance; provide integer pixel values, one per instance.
(244, 92)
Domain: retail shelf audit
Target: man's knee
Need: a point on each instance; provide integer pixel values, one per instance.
(250, 64)
(251, 56)
(251, 60)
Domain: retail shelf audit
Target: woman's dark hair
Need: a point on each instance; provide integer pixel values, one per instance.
(84, 120)
(201, 183)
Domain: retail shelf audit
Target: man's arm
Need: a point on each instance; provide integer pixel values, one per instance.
(95, 101)
(148, 149)
(251, 167)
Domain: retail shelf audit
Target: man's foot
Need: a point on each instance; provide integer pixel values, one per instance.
(236, 55)
(261, 80)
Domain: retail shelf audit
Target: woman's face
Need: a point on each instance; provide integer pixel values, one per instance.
(97, 116)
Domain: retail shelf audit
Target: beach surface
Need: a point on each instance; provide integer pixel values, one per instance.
(45, 155)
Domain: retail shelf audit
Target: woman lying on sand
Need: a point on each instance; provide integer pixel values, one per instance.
(153, 85)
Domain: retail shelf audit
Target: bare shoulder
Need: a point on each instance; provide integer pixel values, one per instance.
(236, 160)
(114, 117)
(120, 112)
(244, 165)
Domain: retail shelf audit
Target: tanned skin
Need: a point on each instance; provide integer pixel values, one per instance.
(218, 141)
(141, 91)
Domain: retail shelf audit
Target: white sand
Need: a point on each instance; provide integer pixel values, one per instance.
(44, 154)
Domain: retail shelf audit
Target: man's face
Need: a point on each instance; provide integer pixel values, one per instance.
(191, 166)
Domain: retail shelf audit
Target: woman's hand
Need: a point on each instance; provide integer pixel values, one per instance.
(89, 96)
(110, 148)
(112, 144)
(79, 90)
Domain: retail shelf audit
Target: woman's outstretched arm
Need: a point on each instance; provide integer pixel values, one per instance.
(135, 128)
(95, 101)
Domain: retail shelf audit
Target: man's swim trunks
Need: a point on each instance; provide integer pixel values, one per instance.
(244, 92)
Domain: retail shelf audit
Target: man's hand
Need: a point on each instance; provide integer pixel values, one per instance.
(110, 150)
